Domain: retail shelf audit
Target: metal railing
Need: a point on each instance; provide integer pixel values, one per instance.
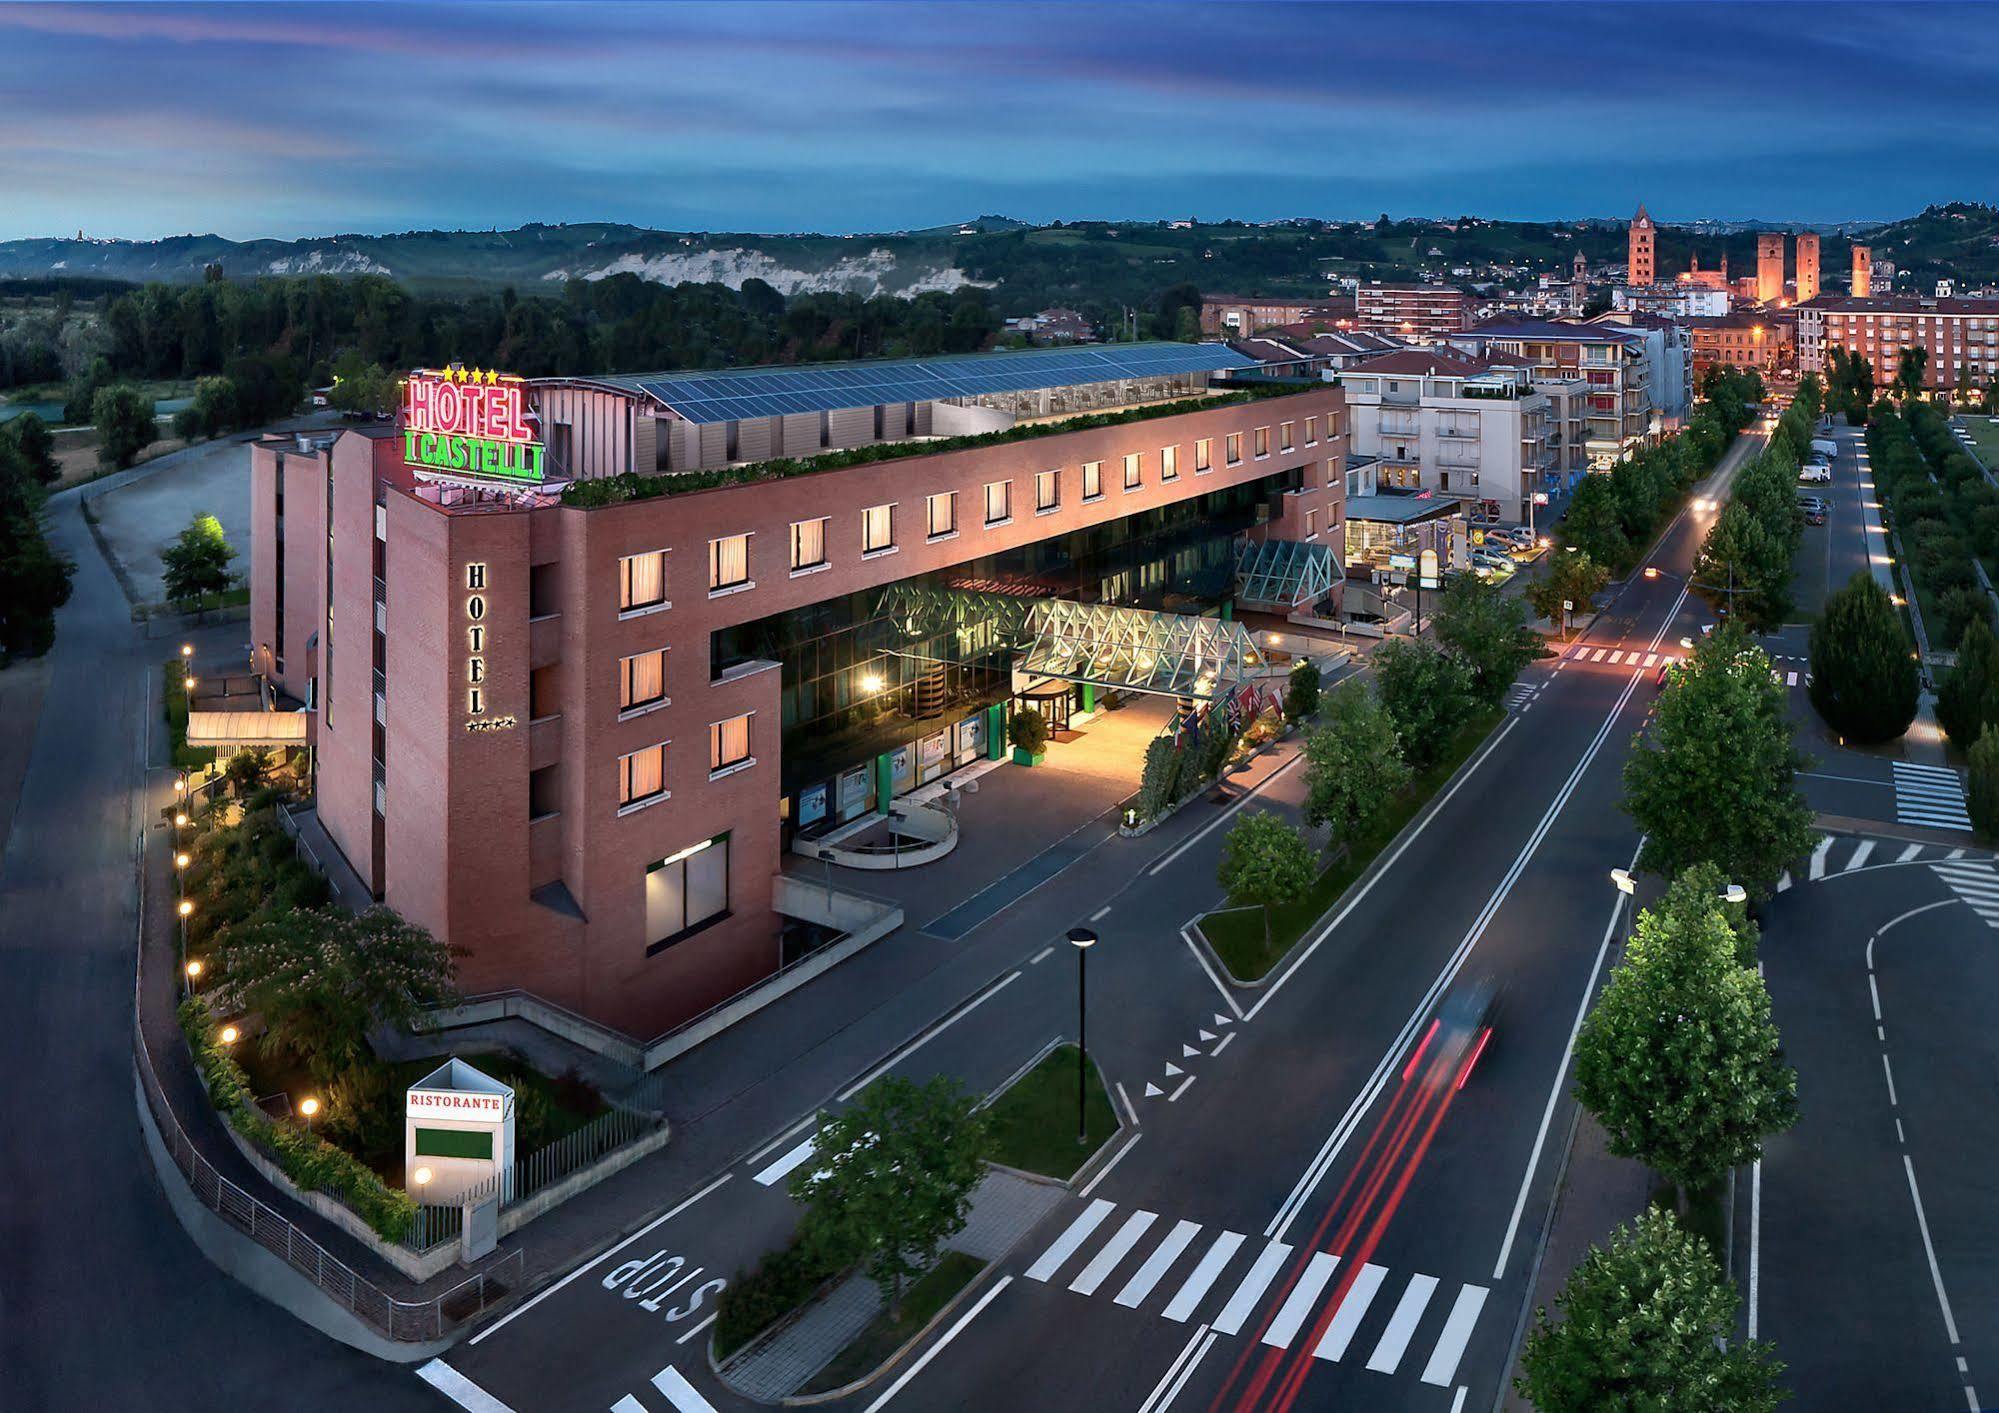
(596, 1140)
(398, 1319)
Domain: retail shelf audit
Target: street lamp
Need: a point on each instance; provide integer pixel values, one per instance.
(180, 784)
(193, 969)
(307, 1107)
(1626, 884)
(1735, 893)
(421, 1177)
(182, 860)
(230, 1035)
(1082, 939)
(186, 653)
(180, 819)
(188, 681)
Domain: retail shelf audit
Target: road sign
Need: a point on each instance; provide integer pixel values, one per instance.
(1402, 561)
(1540, 497)
(1568, 605)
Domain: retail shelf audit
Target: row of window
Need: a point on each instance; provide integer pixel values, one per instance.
(642, 774)
(642, 577)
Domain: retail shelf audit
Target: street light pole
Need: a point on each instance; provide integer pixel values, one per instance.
(1082, 939)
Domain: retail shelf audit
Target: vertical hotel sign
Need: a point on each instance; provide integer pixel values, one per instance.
(477, 717)
(472, 422)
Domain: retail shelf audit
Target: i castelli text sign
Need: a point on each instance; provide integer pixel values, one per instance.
(471, 421)
(455, 1104)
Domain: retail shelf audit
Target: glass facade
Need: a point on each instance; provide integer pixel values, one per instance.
(867, 671)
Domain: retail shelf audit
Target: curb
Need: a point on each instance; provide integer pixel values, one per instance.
(888, 1365)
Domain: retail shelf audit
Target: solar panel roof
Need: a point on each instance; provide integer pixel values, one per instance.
(733, 394)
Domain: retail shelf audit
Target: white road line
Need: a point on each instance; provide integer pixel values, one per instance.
(1163, 1256)
(1790, 679)
(1874, 994)
(1909, 853)
(1179, 1371)
(540, 1296)
(1458, 1403)
(1616, 657)
(459, 1389)
(782, 1139)
(628, 1404)
(1929, 1250)
(1955, 854)
(1650, 658)
(1065, 1245)
(1451, 1343)
(1105, 1170)
(1818, 857)
(1859, 856)
(1251, 1289)
(929, 1035)
(1223, 1046)
(1339, 1334)
(1402, 1324)
(1196, 1285)
(1042, 955)
(1598, 655)
(1181, 1088)
(1129, 1111)
(696, 1330)
(1784, 882)
(931, 1353)
(1199, 956)
(1101, 913)
(781, 1169)
(1223, 818)
(680, 1393)
(1112, 1252)
(1298, 1304)
(1889, 1072)
(1755, 1238)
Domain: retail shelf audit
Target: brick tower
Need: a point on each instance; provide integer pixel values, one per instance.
(1641, 256)
(1808, 266)
(1863, 271)
(1769, 267)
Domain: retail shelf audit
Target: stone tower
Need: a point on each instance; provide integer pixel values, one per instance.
(1579, 282)
(1808, 266)
(1769, 267)
(1863, 271)
(1641, 257)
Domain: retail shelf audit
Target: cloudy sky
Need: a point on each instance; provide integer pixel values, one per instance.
(286, 120)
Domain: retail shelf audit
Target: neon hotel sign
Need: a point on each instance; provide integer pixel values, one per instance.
(470, 421)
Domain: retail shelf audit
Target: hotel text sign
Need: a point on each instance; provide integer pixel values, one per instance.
(475, 654)
(470, 421)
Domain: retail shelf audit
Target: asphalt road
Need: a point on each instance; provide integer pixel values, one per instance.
(104, 1301)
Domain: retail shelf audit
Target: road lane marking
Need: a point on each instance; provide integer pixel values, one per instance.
(1223, 1046)
(1859, 856)
(1112, 1252)
(1196, 1285)
(1616, 657)
(1443, 1365)
(1200, 957)
(1163, 1256)
(929, 1035)
(1179, 1371)
(1087, 1221)
(1910, 853)
(1129, 1111)
(1339, 1334)
(778, 1171)
(697, 1329)
(1402, 1324)
(1929, 1250)
(680, 1393)
(1251, 1289)
(1818, 857)
(1755, 1239)
(1283, 1327)
(931, 1353)
(1889, 1073)
(1181, 1088)
(1650, 658)
(1041, 956)
(1101, 913)
(459, 1389)
(1105, 1170)
(592, 1264)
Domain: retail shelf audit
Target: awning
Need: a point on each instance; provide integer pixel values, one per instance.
(1173, 654)
(1283, 574)
(224, 730)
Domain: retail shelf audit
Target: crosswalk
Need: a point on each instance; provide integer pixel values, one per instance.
(1930, 795)
(1645, 659)
(1976, 883)
(1234, 1277)
(1521, 695)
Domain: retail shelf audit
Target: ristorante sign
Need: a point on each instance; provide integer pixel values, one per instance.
(470, 421)
(447, 1104)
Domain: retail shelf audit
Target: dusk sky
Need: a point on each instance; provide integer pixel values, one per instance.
(270, 120)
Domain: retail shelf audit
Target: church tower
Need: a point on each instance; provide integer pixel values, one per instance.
(1641, 256)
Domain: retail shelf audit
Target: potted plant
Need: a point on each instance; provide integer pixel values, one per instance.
(1028, 731)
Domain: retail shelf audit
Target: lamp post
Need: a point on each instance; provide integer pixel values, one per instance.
(307, 1107)
(1627, 888)
(1082, 939)
(184, 909)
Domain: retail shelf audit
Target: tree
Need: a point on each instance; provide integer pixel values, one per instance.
(1679, 1059)
(248, 771)
(1486, 629)
(1593, 524)
(1647, 1323)
(197, 563)
(125, 426)
(1735, 565)
(36, 444)
(1864, 677)
(34, 578)
(1265, 862)
(1427, 693)
(1353, 766)
(1715, 779)
(1301, 691)
(892, 1178)
(1573, 577)
(1909, 372)
(1982, 792)
(1159, 784)
(1968, 695)
(1959, 608)
(364, 389)
(321, 980)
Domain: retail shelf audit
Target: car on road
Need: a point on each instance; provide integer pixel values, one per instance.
(1459, 1033)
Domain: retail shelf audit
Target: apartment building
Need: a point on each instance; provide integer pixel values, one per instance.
(1668, 360)
(1415, 312)
(1475, 429)
(1961, 336)
(1610, 360)
(583, 657)
(1233, 315)
(1763, 343)
(1313, 355)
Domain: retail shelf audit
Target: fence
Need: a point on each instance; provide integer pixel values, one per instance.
(595, 1141)
(398, 1319)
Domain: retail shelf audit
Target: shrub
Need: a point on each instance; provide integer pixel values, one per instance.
(1028, 731)
(1982, 797)
(1864, 679)
(755, 1300)
(1960, 608)
(1301, 691)
(1966, 702)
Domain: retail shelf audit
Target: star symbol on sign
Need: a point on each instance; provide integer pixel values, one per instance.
(492, 377)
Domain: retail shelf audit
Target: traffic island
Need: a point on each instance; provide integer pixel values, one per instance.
(1033, 1121)
(887, 1336)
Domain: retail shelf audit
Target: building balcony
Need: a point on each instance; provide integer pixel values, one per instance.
(544, 640)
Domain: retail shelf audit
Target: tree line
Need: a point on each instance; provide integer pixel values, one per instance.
(34, 577)
(1744, 567)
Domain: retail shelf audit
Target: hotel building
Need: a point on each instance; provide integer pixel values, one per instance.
(582, 658)
(1961, 336)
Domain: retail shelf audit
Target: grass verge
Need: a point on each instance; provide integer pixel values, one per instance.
(1034, 1122)
(877, 1344)
(1236, 934)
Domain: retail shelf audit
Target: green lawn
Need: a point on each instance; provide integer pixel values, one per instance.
(1984, 434)
(1236, 934)
(1034, 1122)
(884, 1336)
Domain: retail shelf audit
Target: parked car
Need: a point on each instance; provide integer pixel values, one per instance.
(1813, 473)
(1825, 446)
(1493, 560)
(1815, 515)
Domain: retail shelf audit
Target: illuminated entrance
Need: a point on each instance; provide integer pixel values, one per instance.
(1137, 650)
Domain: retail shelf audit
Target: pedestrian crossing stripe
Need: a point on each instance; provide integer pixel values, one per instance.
(1930, 795)
(1977, 884)
(1872, 853)
(1298, 1309)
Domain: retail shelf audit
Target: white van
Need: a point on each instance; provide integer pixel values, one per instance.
(1830, 448)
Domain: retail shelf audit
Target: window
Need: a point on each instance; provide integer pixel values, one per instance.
(1133, 472)
(729, 563)
(1263, 441)
(642, 776)
(1311, 431)
(1093, 479)
(1204, 454)
(686, 891)
(642, 581)
(1169, 463)
(642, 679)
(1235, 448)
(943, 510)
(808, 544)
(1284, 435)
(878, 529)
(728, 743)
(999, 502)
(1311, 524)
(1047, 491)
